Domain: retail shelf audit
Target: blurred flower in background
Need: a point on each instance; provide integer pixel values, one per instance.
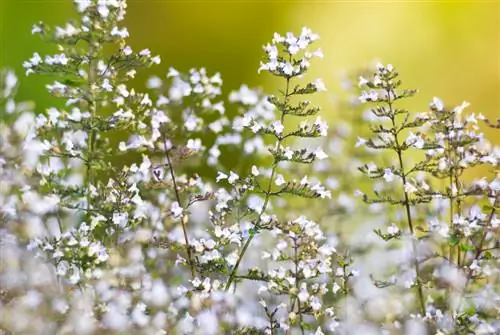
(446, 49)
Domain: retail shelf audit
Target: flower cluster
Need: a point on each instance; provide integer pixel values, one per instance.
(178, 211)
(451, 223)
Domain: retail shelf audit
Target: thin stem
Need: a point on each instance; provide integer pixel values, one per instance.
(450, 247)
(297, 284)
(479, 251)
(234, 272)
(459, 210)
(93, 112)
(408, 209)
(184, 218)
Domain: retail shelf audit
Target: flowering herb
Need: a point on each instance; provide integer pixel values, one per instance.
(100, 236)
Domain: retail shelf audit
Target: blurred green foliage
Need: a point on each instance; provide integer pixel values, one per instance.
(445, 49)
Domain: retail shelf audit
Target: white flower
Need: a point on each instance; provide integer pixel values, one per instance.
(303, 295)
(82, 5)
(255, 171)
(103, 10)
(145, 53)
(460, 108)
(392, 229)
(322, 126)
(106, 85)
(278, 127)
(318, 53)
(172, 72)
(233, 177)
(123, 33)
(320, 154)
(194, 144)
(437, 104)
(287, 68)
(362, 81)
(255, 203)
(388, 175)
(320, 85)
(156, 60)
(127, 50)
(335, 288)
(360, 142)
(176, 210)
(146, 101)
(232, 258)
(36, 29)
(154, 82)
(221, 176)
(415, 141)
(316, 305)
(409, 188)
(280, 180)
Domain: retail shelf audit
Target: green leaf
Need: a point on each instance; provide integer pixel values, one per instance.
(453, 240)
(467, 247)
(252, 232)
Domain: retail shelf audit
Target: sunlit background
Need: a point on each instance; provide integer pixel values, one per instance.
(445, 49)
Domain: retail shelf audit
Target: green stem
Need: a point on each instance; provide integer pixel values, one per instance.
(479, 251)
(234, 271)
(184, 217)
(420, 293)
(91, 136)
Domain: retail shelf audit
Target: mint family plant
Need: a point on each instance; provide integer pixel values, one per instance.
(101, 236)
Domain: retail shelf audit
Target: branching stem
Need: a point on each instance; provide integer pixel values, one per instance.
(184, 218)
(234, 271)
(399, 152)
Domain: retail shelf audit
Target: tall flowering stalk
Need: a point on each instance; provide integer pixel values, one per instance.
(94, 246)
(384, 92)
(456, 147)
(77, 149)
(172, 135)
(282, 61)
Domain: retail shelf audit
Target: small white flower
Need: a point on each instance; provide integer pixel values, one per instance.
(145, 53)
(320, 85)
(103, 10)
(146, 101)
(255, 171)
(106, 85)
(362, 81)
(437, 104)
(233, 177)
(172, 72)
(176, 210)
(322, 126)
(280, 180)
(194, 144)
(156, 60)
(392, 229)
(278, 127)
(123, 33)
(415, 141)
(303, 295)
(388, 175)
(320, 154)
(287, 68)
(409, 188)
(36, 29)
(361, 141)
(154, 82)
(221, 176)
(127, 50)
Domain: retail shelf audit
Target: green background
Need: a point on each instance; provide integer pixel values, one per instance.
(445, 49)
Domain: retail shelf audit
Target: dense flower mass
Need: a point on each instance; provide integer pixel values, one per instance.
(120, 212)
